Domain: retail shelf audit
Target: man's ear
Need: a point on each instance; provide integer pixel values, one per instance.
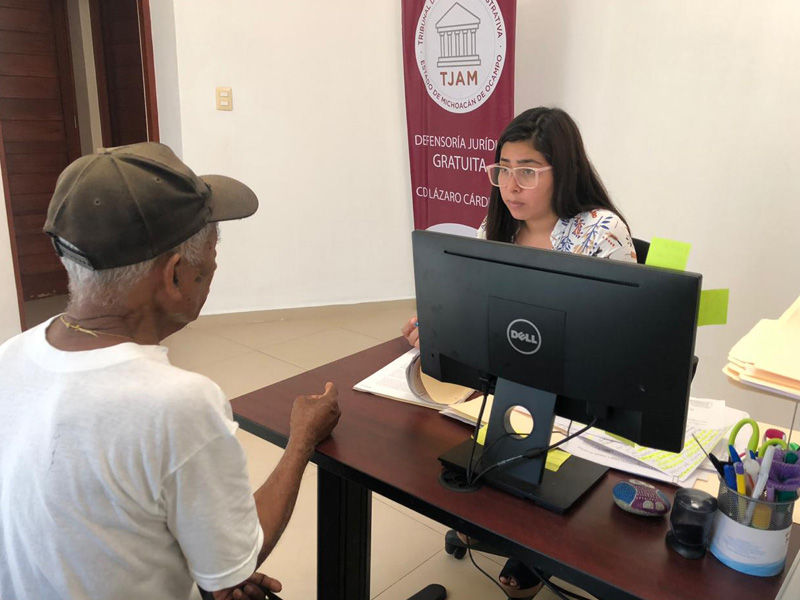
(170, 278)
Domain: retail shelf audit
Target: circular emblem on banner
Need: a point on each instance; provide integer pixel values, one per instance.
(461, 50)
(524, 336)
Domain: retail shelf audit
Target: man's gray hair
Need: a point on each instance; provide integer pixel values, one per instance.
(110, 287)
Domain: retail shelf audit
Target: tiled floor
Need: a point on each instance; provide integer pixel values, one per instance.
(243, 352)
(246, 351)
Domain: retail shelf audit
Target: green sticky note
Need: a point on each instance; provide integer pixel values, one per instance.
(713, 307)
(668, 253)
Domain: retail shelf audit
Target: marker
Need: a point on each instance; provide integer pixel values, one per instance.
(774, 434)
(762, 513)
(761, 483)
(730, 476)
(734, 455)
(740, 486)
(751, 469)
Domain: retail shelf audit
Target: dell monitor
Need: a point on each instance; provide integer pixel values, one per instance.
(588, 339)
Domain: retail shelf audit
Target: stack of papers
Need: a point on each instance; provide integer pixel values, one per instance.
(403, 380)
(709, 421)
(766, 358)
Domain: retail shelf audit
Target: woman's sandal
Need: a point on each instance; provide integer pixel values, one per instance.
(528, 583)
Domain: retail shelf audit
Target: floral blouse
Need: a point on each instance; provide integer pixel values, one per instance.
(597, 232)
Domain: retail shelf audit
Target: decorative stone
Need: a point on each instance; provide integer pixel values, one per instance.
(640, 498)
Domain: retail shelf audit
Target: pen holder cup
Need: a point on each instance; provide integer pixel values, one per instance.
(751, 536)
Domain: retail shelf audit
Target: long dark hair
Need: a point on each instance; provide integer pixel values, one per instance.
(576, 186)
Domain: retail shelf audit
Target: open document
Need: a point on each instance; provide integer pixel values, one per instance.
(403, 379)
(709, 421)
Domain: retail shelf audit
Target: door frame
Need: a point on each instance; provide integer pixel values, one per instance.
(148, 70)
(12, 234)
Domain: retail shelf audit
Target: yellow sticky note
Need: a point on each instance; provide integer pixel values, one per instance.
(713, 307)
(556, 458)
(668, 253)
(482, 434)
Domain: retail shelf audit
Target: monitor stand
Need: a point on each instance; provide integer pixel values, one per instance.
(554, 490)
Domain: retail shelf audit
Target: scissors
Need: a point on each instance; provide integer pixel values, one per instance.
(755, 436)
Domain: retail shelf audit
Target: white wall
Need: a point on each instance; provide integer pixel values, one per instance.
(317, 130)
(9, 308)
(688, 110)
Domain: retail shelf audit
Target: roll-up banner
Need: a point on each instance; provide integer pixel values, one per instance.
(458, 59)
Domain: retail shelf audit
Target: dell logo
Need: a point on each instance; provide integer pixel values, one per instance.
(524, 336)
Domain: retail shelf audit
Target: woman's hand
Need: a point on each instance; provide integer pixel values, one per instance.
(410, 331)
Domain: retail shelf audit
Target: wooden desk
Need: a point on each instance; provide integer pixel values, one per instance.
(392, 448)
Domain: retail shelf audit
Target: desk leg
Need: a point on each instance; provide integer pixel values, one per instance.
(344, 524)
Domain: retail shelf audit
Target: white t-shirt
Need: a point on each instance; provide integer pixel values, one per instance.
(598, 232)
(120, 476)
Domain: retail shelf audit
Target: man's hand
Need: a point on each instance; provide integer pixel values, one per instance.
(410, 331)
(253, 588)
(312, 420)
(314, 417)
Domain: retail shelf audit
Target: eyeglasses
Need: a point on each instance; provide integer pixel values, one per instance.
(527, 177)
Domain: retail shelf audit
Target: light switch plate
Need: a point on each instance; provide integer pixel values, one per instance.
(224, 98)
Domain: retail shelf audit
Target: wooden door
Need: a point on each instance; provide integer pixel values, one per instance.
(121, 79)
(38, 131)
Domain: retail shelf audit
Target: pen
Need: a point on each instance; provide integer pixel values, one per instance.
(763, 475)
(734, 455)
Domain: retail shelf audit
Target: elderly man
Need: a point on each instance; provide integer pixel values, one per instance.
(120, 475)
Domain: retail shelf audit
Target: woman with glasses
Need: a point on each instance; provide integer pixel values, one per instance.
(546, 194)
